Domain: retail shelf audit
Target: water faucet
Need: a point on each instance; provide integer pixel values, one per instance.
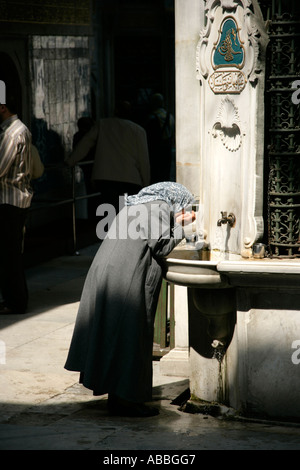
(230, 219)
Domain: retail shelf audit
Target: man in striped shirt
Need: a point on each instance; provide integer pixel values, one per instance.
(15, 199)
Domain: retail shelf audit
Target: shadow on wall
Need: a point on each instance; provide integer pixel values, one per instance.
(55, 183)
(47, 141)
(212, 317)
(259, 375)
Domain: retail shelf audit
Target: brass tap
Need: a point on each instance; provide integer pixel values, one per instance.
(230, 219)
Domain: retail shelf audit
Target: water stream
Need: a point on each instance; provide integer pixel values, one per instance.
(218, 244)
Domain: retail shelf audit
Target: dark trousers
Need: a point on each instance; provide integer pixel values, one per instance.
(12, 277)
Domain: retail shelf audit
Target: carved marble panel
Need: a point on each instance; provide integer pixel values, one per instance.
(230, 66)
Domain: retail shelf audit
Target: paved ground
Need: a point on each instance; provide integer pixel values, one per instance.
(42, 406)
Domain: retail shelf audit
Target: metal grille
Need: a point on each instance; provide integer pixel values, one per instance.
(282, 129)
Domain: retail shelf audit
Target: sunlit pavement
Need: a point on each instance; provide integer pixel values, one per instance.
(42, 406)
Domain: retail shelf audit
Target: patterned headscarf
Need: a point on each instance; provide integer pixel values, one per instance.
(174, 194)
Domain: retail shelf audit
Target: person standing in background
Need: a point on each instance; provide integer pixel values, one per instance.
(15, 199)
(121, 165)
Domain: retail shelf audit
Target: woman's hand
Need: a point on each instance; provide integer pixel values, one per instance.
(185, 218)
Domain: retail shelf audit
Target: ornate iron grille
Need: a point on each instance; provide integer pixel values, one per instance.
(282, 128)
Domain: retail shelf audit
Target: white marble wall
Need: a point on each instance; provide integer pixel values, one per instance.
(232, 121)
(259, 373)
(224, 168)
(262, 365)
(189, 17)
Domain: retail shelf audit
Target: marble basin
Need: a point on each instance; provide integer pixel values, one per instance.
(192, 268)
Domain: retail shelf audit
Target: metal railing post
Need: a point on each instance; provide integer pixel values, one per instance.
(74, 212)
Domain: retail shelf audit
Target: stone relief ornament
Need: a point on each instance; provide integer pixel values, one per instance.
(227, 125)
(227, 82)
(229, 50)
(230, 65)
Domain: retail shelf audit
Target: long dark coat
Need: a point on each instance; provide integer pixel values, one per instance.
(113, 336)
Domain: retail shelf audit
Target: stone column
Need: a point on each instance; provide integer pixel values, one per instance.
(176, 362)
(189, 15)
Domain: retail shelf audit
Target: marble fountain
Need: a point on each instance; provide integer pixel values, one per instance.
(239, 330)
